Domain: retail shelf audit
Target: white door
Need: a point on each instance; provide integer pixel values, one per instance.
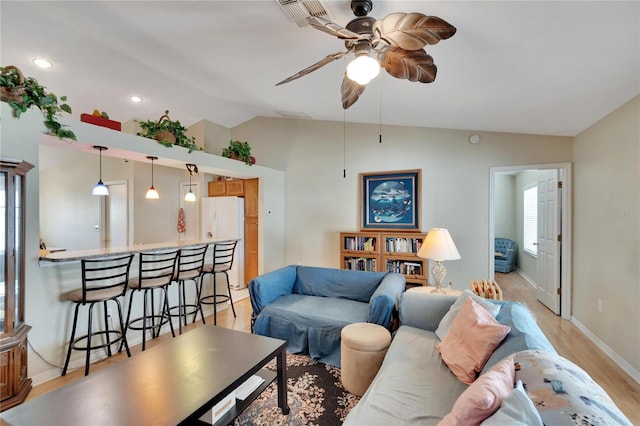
(114, 216)
(549, 240)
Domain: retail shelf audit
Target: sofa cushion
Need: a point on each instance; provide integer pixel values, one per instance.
(450, 316)
(412, 387)
(310, 324)
(516, 410)
(564, 393)
(471, 341)
(340, 283)
(524, 334)
(483, 397)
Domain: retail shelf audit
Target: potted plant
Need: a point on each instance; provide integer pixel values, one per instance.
(168, 133)
(22, 93)
(239, 151)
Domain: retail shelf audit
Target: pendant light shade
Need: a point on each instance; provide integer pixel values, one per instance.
(190, 196)
(152, 194)
(100, 188)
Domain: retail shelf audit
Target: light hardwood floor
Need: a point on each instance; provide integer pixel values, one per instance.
(565, 337)
(572, 344)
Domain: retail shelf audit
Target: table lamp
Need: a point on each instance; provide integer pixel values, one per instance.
(438, 246)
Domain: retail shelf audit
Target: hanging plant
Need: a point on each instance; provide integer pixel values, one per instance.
(22, 93)
(238, 151)
(168, 133)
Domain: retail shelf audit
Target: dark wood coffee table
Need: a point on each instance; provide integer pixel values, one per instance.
(174, 383)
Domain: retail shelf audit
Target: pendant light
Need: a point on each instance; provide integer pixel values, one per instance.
(100, 188)
(190, 196)
(152, 194)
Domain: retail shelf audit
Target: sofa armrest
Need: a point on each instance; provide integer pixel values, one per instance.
(386, 298)
(266, 288)
(424, 310)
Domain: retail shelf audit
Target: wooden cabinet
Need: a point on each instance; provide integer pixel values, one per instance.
(393, 252)
(248, 189)
(14, 383)
(223, 188)
(251, 222)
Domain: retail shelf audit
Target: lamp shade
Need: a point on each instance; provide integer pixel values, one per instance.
(363, 69)
(438, 246)
(100, 189)
(190, 196)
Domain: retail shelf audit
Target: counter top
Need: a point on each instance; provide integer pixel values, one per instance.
(74, 255)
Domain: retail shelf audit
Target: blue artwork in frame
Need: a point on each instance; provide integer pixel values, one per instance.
(390, 200)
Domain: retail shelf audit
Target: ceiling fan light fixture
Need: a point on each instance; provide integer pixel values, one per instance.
(363, 69)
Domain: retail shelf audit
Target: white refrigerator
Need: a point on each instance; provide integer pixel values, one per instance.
(223, 219)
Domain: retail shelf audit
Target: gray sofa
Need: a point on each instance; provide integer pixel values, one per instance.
(415, 386)
(307, 306)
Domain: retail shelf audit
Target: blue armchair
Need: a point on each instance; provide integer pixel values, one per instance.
(308, 306)
(505, 254)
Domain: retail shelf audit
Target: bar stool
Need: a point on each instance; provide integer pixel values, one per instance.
(223, 252)
(155, 272)
(190, 264)
(103, 280)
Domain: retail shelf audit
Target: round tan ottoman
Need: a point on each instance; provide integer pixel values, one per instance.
(362, 349)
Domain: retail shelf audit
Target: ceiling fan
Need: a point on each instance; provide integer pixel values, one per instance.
(394, 42)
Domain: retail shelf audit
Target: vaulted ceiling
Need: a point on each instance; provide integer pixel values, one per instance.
(537, 67)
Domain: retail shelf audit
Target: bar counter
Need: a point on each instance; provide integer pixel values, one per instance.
(76, 255)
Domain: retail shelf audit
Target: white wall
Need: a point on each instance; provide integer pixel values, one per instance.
(51, 318)
(607, 231)
(455, 180)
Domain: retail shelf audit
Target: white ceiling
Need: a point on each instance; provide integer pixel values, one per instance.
(513, 66)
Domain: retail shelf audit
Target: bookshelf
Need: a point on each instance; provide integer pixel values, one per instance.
(382, 252)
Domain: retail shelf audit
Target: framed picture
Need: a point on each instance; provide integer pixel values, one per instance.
(390, 200)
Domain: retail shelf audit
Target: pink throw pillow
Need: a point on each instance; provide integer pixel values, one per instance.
(472, 339)
(483, 397)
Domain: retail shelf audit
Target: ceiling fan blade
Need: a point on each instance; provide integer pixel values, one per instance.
(332, 28)
(412, 31)
(351, 91)
(412, 65)
(327, 59)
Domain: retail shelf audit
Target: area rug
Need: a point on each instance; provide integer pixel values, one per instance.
(316, 397)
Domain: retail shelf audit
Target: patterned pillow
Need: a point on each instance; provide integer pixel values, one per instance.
(564, 393)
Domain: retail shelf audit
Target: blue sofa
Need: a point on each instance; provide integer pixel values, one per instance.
(505, 255)
(414, 386)
(308, 306)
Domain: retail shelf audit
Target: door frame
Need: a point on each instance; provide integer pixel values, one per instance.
(566, 215)
(128, 218)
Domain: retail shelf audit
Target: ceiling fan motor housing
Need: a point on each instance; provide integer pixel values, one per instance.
(361, 7)
(362, 25)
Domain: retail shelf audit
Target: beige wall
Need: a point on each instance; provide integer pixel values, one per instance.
(606, 229)
(455, 177)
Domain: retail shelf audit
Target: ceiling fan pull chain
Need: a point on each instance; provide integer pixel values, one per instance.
(344, 143)
(380, 116)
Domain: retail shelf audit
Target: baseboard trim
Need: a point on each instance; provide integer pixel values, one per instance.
(526, 277)
(628, 368)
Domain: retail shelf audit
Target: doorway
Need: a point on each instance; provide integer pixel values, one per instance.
(562, 274)
(114, 215)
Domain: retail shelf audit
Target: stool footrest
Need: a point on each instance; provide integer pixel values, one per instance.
(218, 298)
(118, 336)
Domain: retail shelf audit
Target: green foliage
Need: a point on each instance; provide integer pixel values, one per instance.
(157, 130)
(32, 94)
(240, 149)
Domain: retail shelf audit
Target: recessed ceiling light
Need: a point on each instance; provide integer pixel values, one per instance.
(42, 63)
(135, 99)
